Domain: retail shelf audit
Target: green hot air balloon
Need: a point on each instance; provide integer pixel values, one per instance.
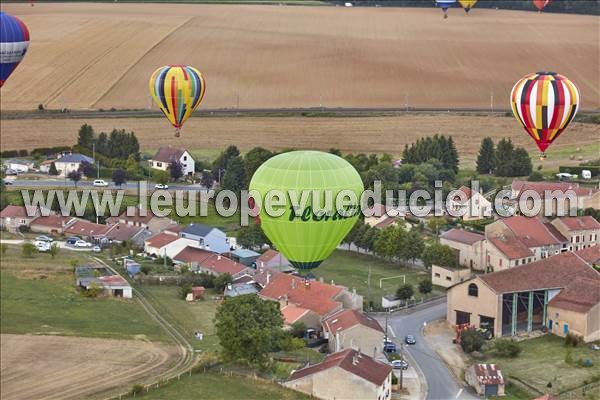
(308, 231)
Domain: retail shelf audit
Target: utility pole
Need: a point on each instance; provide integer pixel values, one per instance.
(492, 101)
(402, 358)
(369, 291)
(406, 101)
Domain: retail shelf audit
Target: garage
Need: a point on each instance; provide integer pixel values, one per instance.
(486, 379)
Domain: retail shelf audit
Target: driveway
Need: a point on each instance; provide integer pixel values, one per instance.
(441, 384)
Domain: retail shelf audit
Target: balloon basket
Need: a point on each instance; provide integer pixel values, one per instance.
(177, 132)
(542, 156)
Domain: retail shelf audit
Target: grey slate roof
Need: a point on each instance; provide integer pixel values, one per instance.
(197, 229)
(75, 158)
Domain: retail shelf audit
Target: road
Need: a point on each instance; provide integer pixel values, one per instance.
(440, 382)
(44, 183)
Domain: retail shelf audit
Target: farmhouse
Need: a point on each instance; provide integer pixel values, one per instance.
(470, 204)
(348, 374)
(87, 230)
(13, 217)
(207, 237)
(580, 232)
(239, 289)
(486, 379)
(273, 259)
(469, 245)
(120, 232)
(351, 329)
(52, 224)
(165, 156)
(557, 194)
(143, 218)
(71, 162)
(166, 244)
(113, 285)
(518, 300)
(200, 260)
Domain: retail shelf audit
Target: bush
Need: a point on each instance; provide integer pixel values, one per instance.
(405, 292)
(145, 269)
(137, 389)
(290, 343)
(507, 348)
(394, 379)
(298, 329)
(207, 360)
(425, 286)
(471, 340)
(184, 290)
(573, 340)
(28, 250)
(93, 291)
(24, 229)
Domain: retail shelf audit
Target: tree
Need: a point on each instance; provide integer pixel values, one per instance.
(222, 281)
(87, 169)
(405, 292)
(521, 162)
(389, 242)
(471, 340)
(504, 158)
(3, 248)
(254, 159)
(176, 170)
(206, 179)
(252, 237)
(75, 176)
(133, 168)
(85, 138)
(119, 177)
(220, 164)
(234, 175)
(485, 159)
(413, 246)
(146, 269)
(439, 254)
(297, 329)
(54, 249)
(28, 250)
(160, 176)
(248, 328)
(535, 176)
(53, 170)
(425, 286)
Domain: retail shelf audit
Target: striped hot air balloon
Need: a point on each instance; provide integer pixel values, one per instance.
(444, 5)
(467, 4)
(14, 41)
(177, 90)
(540, 4)
(545, 103)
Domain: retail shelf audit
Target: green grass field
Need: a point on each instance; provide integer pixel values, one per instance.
(38, 296)
(542, 360)
(352, 269)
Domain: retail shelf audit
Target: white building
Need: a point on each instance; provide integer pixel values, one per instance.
(18, 165)
(167, 155)
(71, 162)
(470, 204)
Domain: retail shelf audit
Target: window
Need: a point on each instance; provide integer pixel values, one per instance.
(159, 164)
(449, 278)
(500, 262)
(516, 262)
(437, 275)
(473, 290)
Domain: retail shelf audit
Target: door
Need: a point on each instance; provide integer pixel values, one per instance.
(491, 390)
(566, 328)
(550, 325)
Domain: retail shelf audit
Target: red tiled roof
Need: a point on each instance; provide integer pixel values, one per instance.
(210, 260)
(352, 361)
(385, 222)
(51, 221)
(553, 272)
(168, 154)
(591, 255)
(134, 215)
(268, 255)
(467, 192)
(509, 245)
(345, 319)
(86, 228)
(121, 232)
(555, 232)
(531, 231)
(11, 211)
(313, 295)
(160, 240)
(462, 236)
(579, 296)
(488, 374)
(174, 229)
(586, 222)
(291, 313)
(113, 280)
(541, 187)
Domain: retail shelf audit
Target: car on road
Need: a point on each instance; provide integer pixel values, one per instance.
(100, 183)
(44, 238)
(96, 249)
(160, 186)
(410, 339)
(72, 240)
(82, 243)
(389, 347)
(400, 364)
(42, 246)
(7, 182)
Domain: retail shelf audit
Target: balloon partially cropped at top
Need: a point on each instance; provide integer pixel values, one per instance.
(544, 103)
(14, 42)
(177, 90)
(444, 5)
(467, 4)
(307, 235)
(540, 4)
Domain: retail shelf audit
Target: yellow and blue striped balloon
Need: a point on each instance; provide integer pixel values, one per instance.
(177, 90)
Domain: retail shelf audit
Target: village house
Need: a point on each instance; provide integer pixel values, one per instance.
(166, 244)
(273, 259)
(351, 329)
(580, 232)
(381, 216)
(207, 237)
(166, 155)
(239, 289)
(348, 374)
(13, 217)
(200, 260)
(71, 162)
(471, 205)
(91, 231)
(51, 224)
(559, 197)
(519, 240)
(112, 285)
(469, 245)
(448, 276)
(144, 218)
(244, 256)
(120, 232)
(520, 299)
(18, 166)
(486, 379)
(45, 166)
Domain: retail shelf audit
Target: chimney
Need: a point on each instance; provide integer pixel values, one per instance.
(293, 284)
(229, 287)
(321, 280)
(219, 257)
(332, 282)
(268, 277)
(354, 360)
(262, 264)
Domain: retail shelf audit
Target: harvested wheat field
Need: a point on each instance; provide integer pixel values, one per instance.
(350, 134)
(101, 55)
(56, 367)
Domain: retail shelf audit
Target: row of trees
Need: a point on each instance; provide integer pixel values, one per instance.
(118, 144)
(504, 159)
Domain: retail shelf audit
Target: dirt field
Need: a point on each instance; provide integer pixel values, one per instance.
(439, 334)
(55, 367)
(359, 134)
(101, 55)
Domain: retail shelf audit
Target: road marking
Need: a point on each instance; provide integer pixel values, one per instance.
(459, 393)
(392, 331)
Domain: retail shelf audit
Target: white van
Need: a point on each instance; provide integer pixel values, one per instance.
(586, 174)
(100, 182)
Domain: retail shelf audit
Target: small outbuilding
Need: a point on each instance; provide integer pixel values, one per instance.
(486, 379)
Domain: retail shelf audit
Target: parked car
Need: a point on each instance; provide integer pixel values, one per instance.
(42, 246)
(100, 182)
(410, 339)
(400, 364)
(96, 249)
(82, 243)
(7, 182)
(160, 186)
(72, 240)
(389, 347)
(44, 238)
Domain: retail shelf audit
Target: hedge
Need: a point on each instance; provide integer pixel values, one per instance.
(595, 170)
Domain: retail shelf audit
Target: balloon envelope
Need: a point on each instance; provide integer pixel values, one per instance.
(540, 4)
(14, 42)
(544, 103)
(308, 234)
(467, 4)
(177, 90)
